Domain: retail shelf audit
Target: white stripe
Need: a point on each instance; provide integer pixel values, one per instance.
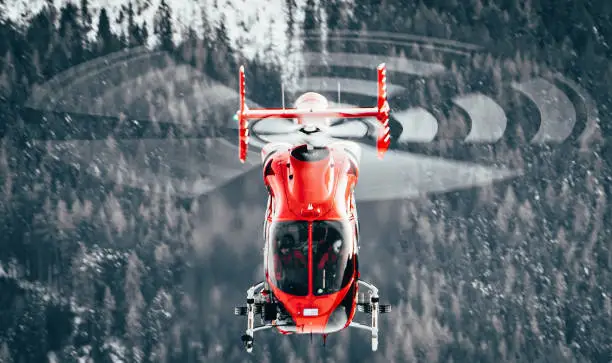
(275, 126)
(406, 175)
(355, 60)
(592, 117)
(52, 85)
(558, 115)
(447, 50)
(408, 37)
(352, 128)
(349, 85)
(198, 176)
(58, 94)
(488, 119)
(418, 125)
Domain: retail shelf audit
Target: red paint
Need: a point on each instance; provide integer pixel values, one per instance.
(327, 187)
(380, 112)
(311, 191)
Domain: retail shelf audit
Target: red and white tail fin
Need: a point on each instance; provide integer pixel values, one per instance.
(384, 135)
(243, 119)
(380, 112)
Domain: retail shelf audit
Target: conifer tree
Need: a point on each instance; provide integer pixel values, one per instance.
(312, 27)
(290, 8)
(86, 19)
(105, 41)
(335, 21)
(163, 26)
(5, 353)
(71, 35)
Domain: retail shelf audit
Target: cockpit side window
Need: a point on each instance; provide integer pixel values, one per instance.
(288, 264)
(332, 256)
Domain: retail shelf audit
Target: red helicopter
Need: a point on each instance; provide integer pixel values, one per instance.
(311, 228)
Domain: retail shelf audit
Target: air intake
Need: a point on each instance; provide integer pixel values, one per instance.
(309, 153)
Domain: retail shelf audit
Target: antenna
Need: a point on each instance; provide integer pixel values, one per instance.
(338, 92)
(283, 91)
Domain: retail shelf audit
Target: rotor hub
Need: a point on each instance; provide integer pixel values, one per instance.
(310, 129)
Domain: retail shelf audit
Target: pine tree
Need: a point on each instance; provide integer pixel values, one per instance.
(9, 76)
(102, 325)
(361, 16)
(132, 284)
(144, 33)
(358, 22)
(163, 26)
(159, 317)
(221, 62)
(108, 312)
(106, 42)
(40, 36)
(132, 27)
(222, 39)
(134, 304)
(5, 354)
(290, 7)
(334, 21)
(31, 332)
(82, 277)
(86, 19)
(71, 34)
(135, 34)
(187, 48)
(312, 27)
(51, 12)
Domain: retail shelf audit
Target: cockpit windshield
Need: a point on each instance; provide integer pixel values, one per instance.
(332, 260)
(289, 264)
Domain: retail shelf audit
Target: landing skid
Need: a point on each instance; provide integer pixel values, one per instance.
(257, 302)
(249, 311)
(374, 308)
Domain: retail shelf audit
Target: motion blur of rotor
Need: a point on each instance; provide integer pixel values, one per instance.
(311, 130)
(311, 120)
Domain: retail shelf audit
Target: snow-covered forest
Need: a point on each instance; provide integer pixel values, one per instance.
(96, 271)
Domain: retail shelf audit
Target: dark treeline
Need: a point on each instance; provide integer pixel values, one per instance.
(91, 269)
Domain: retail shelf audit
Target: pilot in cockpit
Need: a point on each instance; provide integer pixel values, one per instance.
(327, 251)
(290, 253)
(330, 256)
(291, 266)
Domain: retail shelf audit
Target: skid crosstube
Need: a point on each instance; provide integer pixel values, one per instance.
(256, 303)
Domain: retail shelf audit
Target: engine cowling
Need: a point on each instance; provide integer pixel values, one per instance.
(311, 174)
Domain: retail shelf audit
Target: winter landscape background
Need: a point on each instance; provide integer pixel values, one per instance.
(110, 266)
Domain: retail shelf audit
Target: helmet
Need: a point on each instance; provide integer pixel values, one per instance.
(286, 242)
(337, 245)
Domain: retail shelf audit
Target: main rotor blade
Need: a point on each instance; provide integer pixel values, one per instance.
(299, 138)
(349, 129)
(402, 175)
(275, 126)
(181, 167)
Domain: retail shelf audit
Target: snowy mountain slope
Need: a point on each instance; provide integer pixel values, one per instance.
(254, 26)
